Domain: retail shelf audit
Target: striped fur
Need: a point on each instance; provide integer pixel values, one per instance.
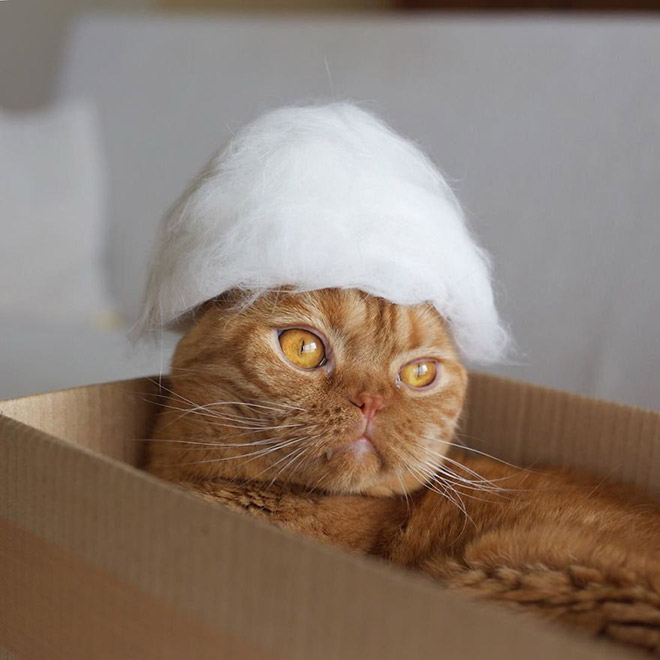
(230, 356)
(243, 427)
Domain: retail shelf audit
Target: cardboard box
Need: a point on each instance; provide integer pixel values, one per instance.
(100, 560)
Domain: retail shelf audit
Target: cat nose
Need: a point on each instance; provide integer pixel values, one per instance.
(370, 404)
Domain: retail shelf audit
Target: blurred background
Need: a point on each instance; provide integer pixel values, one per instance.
(544, 115)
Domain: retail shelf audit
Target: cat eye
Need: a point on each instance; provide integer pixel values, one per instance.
(302, 348)
(419, 374)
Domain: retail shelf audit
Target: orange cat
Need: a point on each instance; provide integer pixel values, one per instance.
(332, 413)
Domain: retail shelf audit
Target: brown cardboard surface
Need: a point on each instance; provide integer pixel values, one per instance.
(82, 609)
(80, 523)
(104, 418)
(528, 425)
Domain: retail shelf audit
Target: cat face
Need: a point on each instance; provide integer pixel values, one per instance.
(331, 389)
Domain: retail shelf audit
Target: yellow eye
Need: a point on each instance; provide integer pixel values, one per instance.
(302, 348)
(419, 374)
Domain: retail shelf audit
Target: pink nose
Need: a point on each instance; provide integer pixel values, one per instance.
(370, 404)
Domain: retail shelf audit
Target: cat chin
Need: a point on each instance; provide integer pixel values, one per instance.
(360, 467)
(384, 491)
(379, 484)
(387, 487)
(392, 485)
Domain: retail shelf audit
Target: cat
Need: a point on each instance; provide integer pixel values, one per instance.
(333, 413)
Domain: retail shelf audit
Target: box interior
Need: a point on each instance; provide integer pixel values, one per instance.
(89, 543)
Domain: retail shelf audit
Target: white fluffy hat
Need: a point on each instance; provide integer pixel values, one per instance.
(324, 196)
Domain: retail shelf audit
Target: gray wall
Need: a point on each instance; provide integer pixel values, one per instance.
(32, 37)
(547, 128)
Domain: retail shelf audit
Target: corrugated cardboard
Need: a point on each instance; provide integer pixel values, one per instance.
(100, 560)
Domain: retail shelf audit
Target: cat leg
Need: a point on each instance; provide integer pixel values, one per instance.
(602, 589)
(348, 522)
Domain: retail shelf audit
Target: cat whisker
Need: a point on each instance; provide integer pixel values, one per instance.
(196, 406)
(272, 406)
(480, 480)
(449, 479)
(243, 421)
(270, 467)
(193, 409)
(317, 483)
(304, 439)
(289, 464)
(224, 437)
(248, 404)
(431, 486)
(266, 405)
(173, 393)
(478, 483)
(196, 370)
(434, 477)
(420, 478)
(256, 454)
(473, 438)
(424, 481)
(481, 453)
(465, 467)
(204, 445)
(244, 427)
(269, 405)
(300, 460)
(460, 504)
(444, 458)
(404, 490)
(201, 410)
(447, 473)
(314, 442)
(258, 429)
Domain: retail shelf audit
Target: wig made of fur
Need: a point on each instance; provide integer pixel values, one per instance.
(324, 196)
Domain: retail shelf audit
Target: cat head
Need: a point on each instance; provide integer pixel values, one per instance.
(330, 389)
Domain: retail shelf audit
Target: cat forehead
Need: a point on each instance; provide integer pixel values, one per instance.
(354, 316)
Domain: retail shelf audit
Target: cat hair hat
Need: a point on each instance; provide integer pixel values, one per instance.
(324, 196)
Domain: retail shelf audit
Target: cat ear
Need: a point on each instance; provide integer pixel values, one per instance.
(214, 303)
